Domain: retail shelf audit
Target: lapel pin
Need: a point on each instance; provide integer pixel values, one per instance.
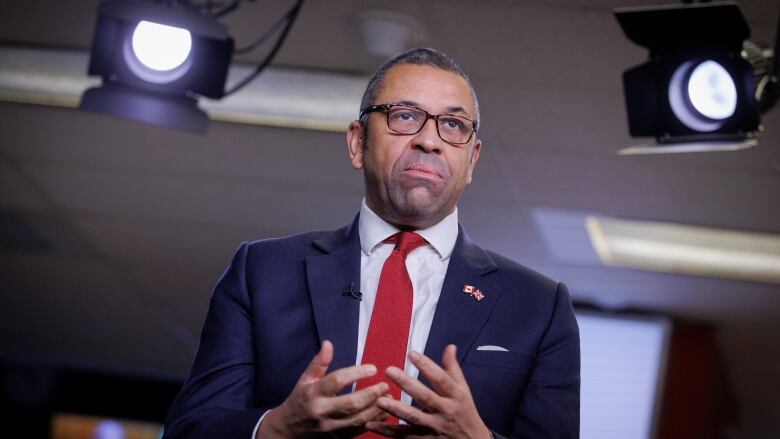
(473, 292)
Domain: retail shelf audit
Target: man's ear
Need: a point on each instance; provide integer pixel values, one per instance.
(355, 143)
(473, 159)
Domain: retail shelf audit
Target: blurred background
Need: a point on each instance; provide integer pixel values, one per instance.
(114, 233)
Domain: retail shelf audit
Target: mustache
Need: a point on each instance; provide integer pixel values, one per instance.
(423, 162)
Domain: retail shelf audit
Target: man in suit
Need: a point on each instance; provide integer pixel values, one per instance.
(339, 333)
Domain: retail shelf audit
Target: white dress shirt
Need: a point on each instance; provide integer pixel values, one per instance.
(427, 266)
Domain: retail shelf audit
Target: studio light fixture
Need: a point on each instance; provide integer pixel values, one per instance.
(157, 58)
(699, 90)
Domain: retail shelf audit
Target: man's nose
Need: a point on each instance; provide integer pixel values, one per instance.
(428, 139)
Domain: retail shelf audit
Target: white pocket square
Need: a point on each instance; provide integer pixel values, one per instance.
(490, 347)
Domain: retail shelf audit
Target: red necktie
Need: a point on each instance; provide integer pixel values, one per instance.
(388, 331)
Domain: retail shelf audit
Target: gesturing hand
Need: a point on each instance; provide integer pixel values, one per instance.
(313, 407)
(449, 409)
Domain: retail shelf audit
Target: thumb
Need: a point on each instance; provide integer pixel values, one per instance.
(319, 364)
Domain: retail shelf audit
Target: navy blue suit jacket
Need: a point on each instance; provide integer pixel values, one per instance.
(280, 298)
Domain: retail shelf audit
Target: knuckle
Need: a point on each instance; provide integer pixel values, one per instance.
(364, 417)
(307, 393)
(352, 404)
(375, 393)
(425, 398)
(316, 410)
(450, 417)
(451, 409)
(339, 381)
(427, 363)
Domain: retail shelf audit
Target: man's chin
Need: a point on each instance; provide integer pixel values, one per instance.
(420, 210)
(421, 201)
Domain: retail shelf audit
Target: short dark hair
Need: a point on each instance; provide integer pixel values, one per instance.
(422, 56)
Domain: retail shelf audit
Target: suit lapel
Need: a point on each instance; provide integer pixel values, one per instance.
(459, 317)
(329, 274)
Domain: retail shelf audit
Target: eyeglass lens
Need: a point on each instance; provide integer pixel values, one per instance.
(409, 120)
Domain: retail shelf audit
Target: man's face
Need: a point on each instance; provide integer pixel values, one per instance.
(414, 181)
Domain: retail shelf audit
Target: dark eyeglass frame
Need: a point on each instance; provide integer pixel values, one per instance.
(385, 108)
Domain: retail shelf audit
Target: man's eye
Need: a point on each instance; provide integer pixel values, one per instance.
(404, 116)
(453, 123)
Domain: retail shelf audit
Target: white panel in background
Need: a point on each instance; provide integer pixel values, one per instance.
(623, 365)
(297, 98)
(686, 249)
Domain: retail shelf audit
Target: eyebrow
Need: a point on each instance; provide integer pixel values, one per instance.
(448, 110)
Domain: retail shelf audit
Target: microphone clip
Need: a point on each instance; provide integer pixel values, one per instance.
(350, 291)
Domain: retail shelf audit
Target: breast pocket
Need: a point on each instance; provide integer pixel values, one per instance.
(509, 360)
(497, 381)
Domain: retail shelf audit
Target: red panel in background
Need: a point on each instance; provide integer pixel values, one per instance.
(697, 401)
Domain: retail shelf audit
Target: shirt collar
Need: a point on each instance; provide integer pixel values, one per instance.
(373, 230)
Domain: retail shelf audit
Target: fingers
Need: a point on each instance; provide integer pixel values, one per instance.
(319, 364)
(441, 382)
(449, 409)
(449, 361)
(355, 402)
(359, 419)
(417, 390)
(410, 414)
(332, 383)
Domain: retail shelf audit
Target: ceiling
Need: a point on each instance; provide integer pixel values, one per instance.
(121, 230)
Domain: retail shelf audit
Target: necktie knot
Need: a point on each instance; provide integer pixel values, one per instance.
(406, 242)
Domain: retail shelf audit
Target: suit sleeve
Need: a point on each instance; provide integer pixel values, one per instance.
(550, 407)
(217, 399)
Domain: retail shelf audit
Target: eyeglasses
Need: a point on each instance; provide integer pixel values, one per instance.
(405, 119)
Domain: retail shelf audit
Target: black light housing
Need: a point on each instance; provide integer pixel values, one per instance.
(696, 85)
(161, 95)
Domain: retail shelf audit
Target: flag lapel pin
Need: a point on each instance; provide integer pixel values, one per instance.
(474, 292)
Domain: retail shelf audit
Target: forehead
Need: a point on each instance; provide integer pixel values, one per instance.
(433, 89)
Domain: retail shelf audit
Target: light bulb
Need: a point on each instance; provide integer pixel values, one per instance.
(711, 91)
(161, 47)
